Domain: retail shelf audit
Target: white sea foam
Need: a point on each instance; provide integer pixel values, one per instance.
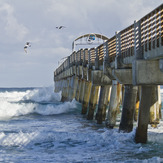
(32, 101)
(65, 138)
(17, 139)
(45, 94)
(155, 135)
(55, 109)
(8, 110)
(12, 96)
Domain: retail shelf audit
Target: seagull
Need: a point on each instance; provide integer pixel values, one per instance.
(60, 27)
(26, 46)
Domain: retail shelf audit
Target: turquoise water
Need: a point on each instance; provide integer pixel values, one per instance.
(36, 127)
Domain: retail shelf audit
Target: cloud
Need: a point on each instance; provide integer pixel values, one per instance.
(35, 21)
(10, 27)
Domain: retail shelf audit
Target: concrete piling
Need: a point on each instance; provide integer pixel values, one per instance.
(114, 104)
(102, 105)
(81, 92)
(87, 91)
(73, 87)
(154, 109)
(137, 105)
(78, 90)
(159, 101)
(65, 88)
(143, 118)
(92, 102)
(128, 108)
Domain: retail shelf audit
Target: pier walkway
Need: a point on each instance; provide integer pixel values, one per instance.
(126, 70)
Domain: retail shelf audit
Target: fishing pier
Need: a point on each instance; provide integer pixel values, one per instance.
(125, 70)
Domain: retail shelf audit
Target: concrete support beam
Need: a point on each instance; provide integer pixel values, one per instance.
(147, 72)
(123, 76)
(128, 108)
(102, 105)
(114, 104)
(108, 71)
(79, 71)
(92, 102)
(98, 78)
(87, 92)
(84, 73)
(143, 119)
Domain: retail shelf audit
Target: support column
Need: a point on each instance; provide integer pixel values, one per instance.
(159, 101)
(102, 105)
(73, 87)
(65, 89)
(56, 86)
(122, 94)
(154, 109)
(114, 104)
(92, 101)
(128, 108)
(87, 91)
(78, 90)
(143, 118)
(81, 92)
(137, 105)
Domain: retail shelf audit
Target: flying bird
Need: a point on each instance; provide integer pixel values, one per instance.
(26, 46)
(60, 27)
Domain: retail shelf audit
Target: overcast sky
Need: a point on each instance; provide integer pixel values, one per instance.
(36, 21)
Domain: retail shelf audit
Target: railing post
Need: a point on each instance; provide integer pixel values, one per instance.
(106, 57)
(84, 57)
(118, 50)
(96, 59)
(137, 40)
(106, 52)
(89, 59)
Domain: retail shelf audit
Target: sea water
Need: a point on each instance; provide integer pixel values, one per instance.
(35, 127)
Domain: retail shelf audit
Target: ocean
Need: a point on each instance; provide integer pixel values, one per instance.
(35, 127)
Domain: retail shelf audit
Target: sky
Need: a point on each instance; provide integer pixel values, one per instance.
(36, 21)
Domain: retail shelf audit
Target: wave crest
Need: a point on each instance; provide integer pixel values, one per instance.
(43, 101)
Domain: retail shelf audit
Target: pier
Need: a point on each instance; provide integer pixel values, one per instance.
(125, 70)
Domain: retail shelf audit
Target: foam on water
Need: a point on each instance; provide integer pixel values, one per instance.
(65, 137)
(42, 101)
(45, 94)
(156, 134)
(17, 139)
(83, 145)
(8, 110)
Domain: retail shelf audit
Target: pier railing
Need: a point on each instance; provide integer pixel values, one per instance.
(145, 35)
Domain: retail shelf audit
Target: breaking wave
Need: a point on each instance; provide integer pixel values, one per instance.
(41, 101)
